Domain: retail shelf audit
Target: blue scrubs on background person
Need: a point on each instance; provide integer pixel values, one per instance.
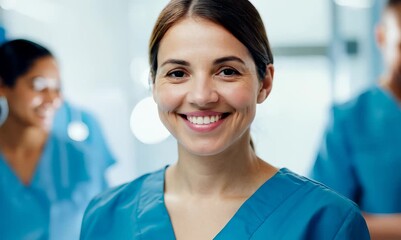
(287, 206)
(360, 156)
(90, 134)
(52, 205)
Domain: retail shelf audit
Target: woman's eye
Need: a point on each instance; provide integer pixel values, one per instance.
(41, 83)
(228, 72)
(177, 74)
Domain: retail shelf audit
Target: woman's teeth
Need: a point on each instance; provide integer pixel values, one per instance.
(45, 112)
(203, 120)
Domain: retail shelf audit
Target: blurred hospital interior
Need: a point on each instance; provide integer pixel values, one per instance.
(324, 50)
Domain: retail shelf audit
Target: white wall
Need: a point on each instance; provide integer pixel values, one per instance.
(296, 22)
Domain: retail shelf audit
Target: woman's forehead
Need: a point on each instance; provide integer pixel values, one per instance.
(199, 36)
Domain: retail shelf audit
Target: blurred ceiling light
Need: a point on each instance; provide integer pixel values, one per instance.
(355, 3)
(145, 123)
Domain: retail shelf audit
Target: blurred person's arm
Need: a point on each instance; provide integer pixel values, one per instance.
(384, 226)
(333, 165)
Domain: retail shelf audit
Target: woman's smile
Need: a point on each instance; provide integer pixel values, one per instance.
(204, 121)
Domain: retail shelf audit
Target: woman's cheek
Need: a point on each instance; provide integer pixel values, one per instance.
(238, 97)
(36, 101)
(168, 98)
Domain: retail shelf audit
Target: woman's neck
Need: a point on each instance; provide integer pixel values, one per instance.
(14, 137)
(22, 148)
(235, 172)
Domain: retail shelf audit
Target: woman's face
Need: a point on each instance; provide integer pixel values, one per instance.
(206, 87)
(35, 96)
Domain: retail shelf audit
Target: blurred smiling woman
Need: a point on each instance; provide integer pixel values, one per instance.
(45, 183)
(211, 64)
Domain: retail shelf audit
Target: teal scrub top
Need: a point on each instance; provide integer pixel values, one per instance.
(69, 113)
(51, 207)
(286, 206)
(360, 156)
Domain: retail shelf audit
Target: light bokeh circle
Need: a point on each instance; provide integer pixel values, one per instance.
(145, 123)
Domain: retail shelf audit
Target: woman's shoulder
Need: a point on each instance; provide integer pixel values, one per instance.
(118, 205)
(366, 101)
(316, 191)
(78, 153)
(127, 194)
(314, 206)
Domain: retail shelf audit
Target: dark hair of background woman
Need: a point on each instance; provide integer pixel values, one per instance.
(17, 57)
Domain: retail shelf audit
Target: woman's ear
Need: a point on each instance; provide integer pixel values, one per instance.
(266, 84)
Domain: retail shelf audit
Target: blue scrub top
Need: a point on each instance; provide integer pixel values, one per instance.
(67, 176)
(360, 156)
(286, 206)
(68, 113)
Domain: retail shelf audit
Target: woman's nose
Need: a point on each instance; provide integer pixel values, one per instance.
(203, 92)
(52, 96)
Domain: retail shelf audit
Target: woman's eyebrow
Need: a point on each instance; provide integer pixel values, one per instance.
(228, 59)
(216, 62)
(175, 61)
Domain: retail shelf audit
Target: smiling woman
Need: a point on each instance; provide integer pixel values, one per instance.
(211, 64)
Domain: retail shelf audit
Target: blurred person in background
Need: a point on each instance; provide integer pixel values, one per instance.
(46, 181)
(360, 156)
(211, 64)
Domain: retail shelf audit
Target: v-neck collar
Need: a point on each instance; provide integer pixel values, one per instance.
(17, 183)
(153, 218)
(152, 214)
(258, 207)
